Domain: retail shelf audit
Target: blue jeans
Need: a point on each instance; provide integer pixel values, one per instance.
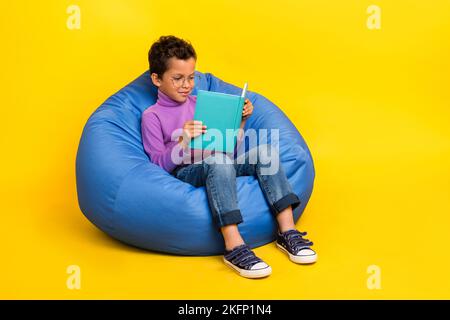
(218, 174)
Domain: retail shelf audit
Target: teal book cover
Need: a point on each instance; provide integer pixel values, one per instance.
(222, 115)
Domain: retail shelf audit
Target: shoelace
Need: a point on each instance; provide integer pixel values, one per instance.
(243, 257)
(296, 240)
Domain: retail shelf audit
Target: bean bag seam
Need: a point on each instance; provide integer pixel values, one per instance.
(118, 191)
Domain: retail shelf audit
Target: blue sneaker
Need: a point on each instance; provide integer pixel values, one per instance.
(297, 248)
(243, 260)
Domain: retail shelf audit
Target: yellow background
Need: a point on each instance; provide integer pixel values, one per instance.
(373, 106)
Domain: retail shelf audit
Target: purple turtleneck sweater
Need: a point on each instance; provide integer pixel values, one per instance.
(162, 120)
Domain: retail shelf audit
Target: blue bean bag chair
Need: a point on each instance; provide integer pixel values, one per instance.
(133, 200)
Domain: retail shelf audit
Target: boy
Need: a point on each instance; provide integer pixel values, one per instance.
(167, 128)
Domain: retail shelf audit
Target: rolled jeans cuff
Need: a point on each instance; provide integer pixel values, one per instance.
(230, 217)
(291, 199)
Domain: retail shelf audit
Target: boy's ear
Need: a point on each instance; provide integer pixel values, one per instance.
(155, 79)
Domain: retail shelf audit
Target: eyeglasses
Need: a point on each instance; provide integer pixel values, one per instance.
(178, 82)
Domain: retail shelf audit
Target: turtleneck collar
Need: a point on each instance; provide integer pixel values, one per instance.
(166, 101)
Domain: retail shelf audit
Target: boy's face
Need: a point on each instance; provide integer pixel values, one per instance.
(178, 80)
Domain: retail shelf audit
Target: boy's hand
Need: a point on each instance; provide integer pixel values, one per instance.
(191, 129)
(248, 109)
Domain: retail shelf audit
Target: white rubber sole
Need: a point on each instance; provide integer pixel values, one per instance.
(299, 259)
(252, 274)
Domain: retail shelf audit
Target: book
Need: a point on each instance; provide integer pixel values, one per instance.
(222, 115)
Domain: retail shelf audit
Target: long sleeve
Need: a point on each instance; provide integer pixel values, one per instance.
(154, 146)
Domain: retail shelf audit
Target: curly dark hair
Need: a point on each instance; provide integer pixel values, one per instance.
(165, 48)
